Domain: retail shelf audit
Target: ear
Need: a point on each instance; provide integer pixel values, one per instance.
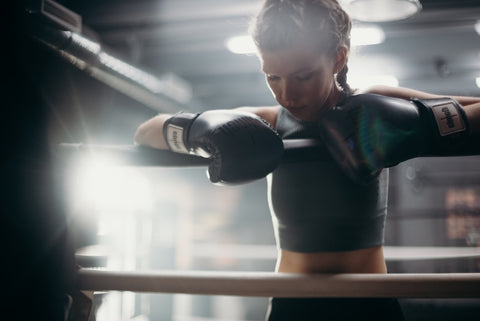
(340, 59)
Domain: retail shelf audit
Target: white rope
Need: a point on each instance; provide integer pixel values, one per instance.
(270, 284)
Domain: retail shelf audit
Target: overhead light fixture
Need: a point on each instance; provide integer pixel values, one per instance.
(370, 35)
(381, 10)
(477, 27)
(477, 81)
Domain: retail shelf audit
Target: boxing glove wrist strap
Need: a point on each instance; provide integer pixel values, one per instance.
(450, 125)
(175, 131)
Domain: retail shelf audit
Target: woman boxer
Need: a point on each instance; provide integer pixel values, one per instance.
(324, 222)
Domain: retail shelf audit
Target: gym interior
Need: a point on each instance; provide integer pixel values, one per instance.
(89, 72)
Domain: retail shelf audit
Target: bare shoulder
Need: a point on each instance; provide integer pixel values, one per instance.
(268, 113)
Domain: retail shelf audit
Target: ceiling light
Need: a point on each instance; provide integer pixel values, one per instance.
(477, 27)
(241, 45)
(371, 35)
(477, 81)
(381, 10)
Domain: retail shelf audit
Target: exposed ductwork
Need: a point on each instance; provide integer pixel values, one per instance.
(168, 93)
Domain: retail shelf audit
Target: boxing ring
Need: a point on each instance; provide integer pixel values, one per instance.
(271, 284)
(91, 57)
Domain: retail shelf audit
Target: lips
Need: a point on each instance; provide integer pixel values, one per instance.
(296, 109)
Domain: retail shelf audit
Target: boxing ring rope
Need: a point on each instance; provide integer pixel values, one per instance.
(271, 284)
(133, 155)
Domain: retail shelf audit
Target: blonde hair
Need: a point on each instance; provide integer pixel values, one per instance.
(281, 23)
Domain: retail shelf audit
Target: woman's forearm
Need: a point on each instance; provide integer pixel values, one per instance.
(470, 104)
(150, 133)
(473, 116)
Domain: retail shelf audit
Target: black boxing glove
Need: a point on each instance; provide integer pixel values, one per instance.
(368, 132)
(242, 146)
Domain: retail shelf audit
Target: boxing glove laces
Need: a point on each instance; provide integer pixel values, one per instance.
(366, 133)
(242, 146)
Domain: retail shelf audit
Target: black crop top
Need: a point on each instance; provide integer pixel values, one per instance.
(316, 208)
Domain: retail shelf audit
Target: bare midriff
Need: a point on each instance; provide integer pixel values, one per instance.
(370, 260)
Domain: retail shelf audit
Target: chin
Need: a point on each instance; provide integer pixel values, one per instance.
(305, 115)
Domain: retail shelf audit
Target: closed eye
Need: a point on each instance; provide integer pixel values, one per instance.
(305, 77)
(271, 77)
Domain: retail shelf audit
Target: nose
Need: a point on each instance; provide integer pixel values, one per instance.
(289, 93)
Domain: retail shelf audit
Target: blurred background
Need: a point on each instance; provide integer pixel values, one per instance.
(115, 63)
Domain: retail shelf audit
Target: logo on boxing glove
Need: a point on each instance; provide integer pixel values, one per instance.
(175, 139)
(448, 119)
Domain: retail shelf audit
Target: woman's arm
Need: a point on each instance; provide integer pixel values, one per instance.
(150, 133)
(471, 105)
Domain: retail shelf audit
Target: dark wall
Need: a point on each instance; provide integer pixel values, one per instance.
(37, 255)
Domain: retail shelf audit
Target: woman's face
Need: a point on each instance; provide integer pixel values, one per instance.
(301, 80)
